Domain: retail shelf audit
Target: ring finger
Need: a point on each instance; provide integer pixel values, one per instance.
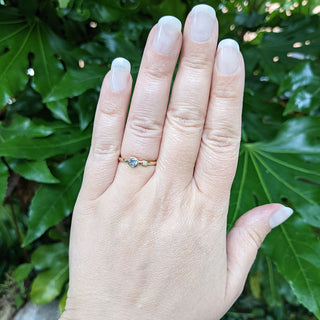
(143, 130)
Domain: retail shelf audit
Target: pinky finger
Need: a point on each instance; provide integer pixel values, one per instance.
(108, 130)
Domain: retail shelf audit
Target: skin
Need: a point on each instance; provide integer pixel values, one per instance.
(151, 242)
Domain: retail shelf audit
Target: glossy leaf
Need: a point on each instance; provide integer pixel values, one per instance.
(52, 203)
(296, 260)
(277, 171)
(59, 109)
(76, 82)
(32, 170)
(22, 272)
(67, 141)
(47, 255)
(63, 3)
(293, 31)
(302, 86)
(21, 126)
(4, 174)
(22, 39)
(49, 283)
(85, 107)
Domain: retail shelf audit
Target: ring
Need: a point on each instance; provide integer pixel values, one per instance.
(133, 162)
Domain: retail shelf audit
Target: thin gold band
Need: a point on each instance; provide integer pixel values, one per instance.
(134, 162)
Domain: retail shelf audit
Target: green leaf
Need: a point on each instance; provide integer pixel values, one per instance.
(68, 140)
(46, 256)
(76, 82)
(8, 234)
(48, 69)
(302, 86)
(32, 170)
(293, 30)
(21, 273)
(85, 107)
(52, 203)
(23, 38)
(295, 250)
(168, 7)
(59, 109)
(64, 3)
(63, 300)
(103, 13)
(48, 284)
(23, 127)
(116, 44)
(4, 175)
(277, 171)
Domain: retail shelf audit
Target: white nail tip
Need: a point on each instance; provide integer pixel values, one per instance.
(121, 63)
(229, 43)
(280, 216)
(171, 21)
(205, 9)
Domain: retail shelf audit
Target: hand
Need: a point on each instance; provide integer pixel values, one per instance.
(150, 242)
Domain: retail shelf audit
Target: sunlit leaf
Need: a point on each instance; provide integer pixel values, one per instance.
(49, 283)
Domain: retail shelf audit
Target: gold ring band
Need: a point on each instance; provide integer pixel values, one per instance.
(134, 162)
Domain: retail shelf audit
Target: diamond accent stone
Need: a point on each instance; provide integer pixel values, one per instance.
(144, 163)
(133, 162)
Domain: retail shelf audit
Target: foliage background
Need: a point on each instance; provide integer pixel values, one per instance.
(53, 56)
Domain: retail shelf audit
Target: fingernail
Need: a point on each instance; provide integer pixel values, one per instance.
(202, 21)
(227, 59)
(168, 31)
(120, 71)
(280, 216)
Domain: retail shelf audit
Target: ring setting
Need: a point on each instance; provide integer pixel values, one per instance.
(134, 162)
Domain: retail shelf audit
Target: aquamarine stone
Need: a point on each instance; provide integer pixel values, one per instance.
(133, 162)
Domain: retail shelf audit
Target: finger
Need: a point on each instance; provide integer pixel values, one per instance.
(218, 154)
(189, 98)
(150, 98)
(108, 129)
(244, 240)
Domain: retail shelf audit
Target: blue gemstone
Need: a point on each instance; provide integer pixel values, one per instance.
(133, 162)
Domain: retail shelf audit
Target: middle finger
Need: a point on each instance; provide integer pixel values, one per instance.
(143, 130)
(189, 100)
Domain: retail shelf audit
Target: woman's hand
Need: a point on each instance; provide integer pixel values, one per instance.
(150, 242)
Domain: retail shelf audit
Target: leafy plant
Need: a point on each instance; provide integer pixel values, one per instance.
(53, 57)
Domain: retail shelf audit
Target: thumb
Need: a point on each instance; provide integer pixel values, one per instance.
(244, 240)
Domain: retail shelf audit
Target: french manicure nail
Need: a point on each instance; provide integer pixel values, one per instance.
(280, 216)
(227, 59)
(120, 70)
(202, 21)
(168, 31)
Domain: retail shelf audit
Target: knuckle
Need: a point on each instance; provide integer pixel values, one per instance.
(186, 117)
(107, 151)
(226, 90)
(110, 109)
(156, 72)
(144, 127)
(251, 236)
(226, 139)
(199, 60)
